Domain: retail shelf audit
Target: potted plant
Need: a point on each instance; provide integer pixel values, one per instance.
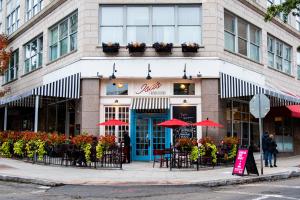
(136, 47)
(163, 47)
(229, 146)
(208, 150)
(111, 47)
(185, 144)
(190, 47)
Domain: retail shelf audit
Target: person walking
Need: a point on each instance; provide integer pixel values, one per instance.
(127, 147)
(273, 149)
(270, 149)
(265, 147)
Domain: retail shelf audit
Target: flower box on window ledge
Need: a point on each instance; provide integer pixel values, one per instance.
(136, 47)
(110, 47)
(163, 47)
(190, 47)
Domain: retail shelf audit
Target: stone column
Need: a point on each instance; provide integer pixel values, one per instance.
(90, 105)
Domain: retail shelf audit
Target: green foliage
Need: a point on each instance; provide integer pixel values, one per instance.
(99, 150)
(194, 153)
(30, 148)
(289, 6)
(87, 151)
(41, 151)
(5, 149)
(232, 152)
(212, 148)
(19, 148)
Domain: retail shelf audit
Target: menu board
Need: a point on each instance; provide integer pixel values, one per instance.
(240, 162)
(187, 114)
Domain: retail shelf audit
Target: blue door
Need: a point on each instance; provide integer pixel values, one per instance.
(147, 136)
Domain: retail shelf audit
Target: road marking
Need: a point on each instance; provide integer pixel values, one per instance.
(261, 196)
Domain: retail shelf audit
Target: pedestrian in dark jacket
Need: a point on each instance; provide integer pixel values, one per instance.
(273, 149)
(265, 138)
(127, 147)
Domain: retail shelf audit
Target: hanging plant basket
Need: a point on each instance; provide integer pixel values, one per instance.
(110, 47)
(190, 47)
(136, 47)
(163, 47)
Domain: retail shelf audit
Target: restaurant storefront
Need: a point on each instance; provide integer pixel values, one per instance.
(146, 103)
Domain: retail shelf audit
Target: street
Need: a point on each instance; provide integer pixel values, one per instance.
(286, 189)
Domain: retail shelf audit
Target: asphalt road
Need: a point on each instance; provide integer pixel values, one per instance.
(287, 189)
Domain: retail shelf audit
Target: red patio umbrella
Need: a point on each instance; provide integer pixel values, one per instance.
(173, 123)
(113, 122)
(208, 123)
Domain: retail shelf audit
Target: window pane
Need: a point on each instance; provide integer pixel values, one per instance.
(189, 34)
(40, 62)
(184, 88)
(242, 46)
(63, 46)
(33, 48)
(279, 63)
(163, 34)
(271, 59)
(27, 51)
(254, 52)
(242, 28)
(163, 15)
(229, 22)
(54, 36)
(112, 34)
(254, 35)
(73, 23)
(138, 34)
(189, 15)
(229, 42)
(53, 52)
(270, 44)
(286, 66)
(27, 66)
(63, 30)
(298, 72)
(33, 62)
(111, 16)
(137, 15)
(287, 53)
(73, 42)
(298, 58)
(279, 47)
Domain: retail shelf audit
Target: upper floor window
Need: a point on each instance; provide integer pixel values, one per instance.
(33, 7)
(184, 88)
(298, 65)
(279, 55)
(12, 72)
(117, 89)
(63, 37)
(13, 16)
(149, 24)
(241, 37)
(280, 15)
(33, 54)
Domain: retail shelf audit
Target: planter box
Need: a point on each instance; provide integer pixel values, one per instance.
(163, 47)
(136, 48)
(190, 48)
(110, 48)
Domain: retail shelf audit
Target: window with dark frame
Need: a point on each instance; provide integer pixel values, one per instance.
(184, 88)
(117, 89)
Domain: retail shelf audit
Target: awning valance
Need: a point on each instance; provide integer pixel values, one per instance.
(150, 103)
(68, 87)
(231, 87)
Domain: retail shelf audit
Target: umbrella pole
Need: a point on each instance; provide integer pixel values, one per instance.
(206, 130)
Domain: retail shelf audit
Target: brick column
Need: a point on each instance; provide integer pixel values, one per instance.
(89, 106)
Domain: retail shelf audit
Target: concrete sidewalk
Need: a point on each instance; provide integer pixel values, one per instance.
(138, 173)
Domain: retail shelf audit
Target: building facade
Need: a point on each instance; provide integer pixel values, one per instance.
(61, 79)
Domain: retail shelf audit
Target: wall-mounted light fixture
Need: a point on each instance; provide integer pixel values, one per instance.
(184, 101)
(149, 70)
(116, 101)
(185, 77)
(113, 76)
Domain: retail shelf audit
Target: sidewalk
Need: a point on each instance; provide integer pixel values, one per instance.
(138, 173)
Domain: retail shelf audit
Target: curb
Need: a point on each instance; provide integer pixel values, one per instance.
(214, 183)
(29, 181)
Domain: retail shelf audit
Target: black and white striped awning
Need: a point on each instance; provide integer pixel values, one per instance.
(68, 87)
(150, 103)
(231, 87)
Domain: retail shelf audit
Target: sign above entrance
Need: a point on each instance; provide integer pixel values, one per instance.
(153, 88)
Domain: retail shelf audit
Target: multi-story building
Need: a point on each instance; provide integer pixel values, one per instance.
(62, 80)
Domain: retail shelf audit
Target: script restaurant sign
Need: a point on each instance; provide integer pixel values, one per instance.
(151, 89)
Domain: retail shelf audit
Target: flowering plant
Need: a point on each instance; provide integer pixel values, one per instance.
(55, 139)
(80, 140)
(190, 47)
(185, 144)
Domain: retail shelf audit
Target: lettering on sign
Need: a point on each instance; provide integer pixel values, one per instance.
(150, 89)
(240, 162)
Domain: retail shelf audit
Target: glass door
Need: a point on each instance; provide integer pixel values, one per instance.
(142, 142)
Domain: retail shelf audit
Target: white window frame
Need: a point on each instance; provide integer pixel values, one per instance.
(150, 24)
(12, 18)
(280, 55)
(248, 39)
(69, 35)
(30, 10)
(39, 54)
(7, 74)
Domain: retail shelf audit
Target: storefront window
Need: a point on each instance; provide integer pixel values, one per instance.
(120, 113)
(184, 88)
(117, 89)
(284, 134)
